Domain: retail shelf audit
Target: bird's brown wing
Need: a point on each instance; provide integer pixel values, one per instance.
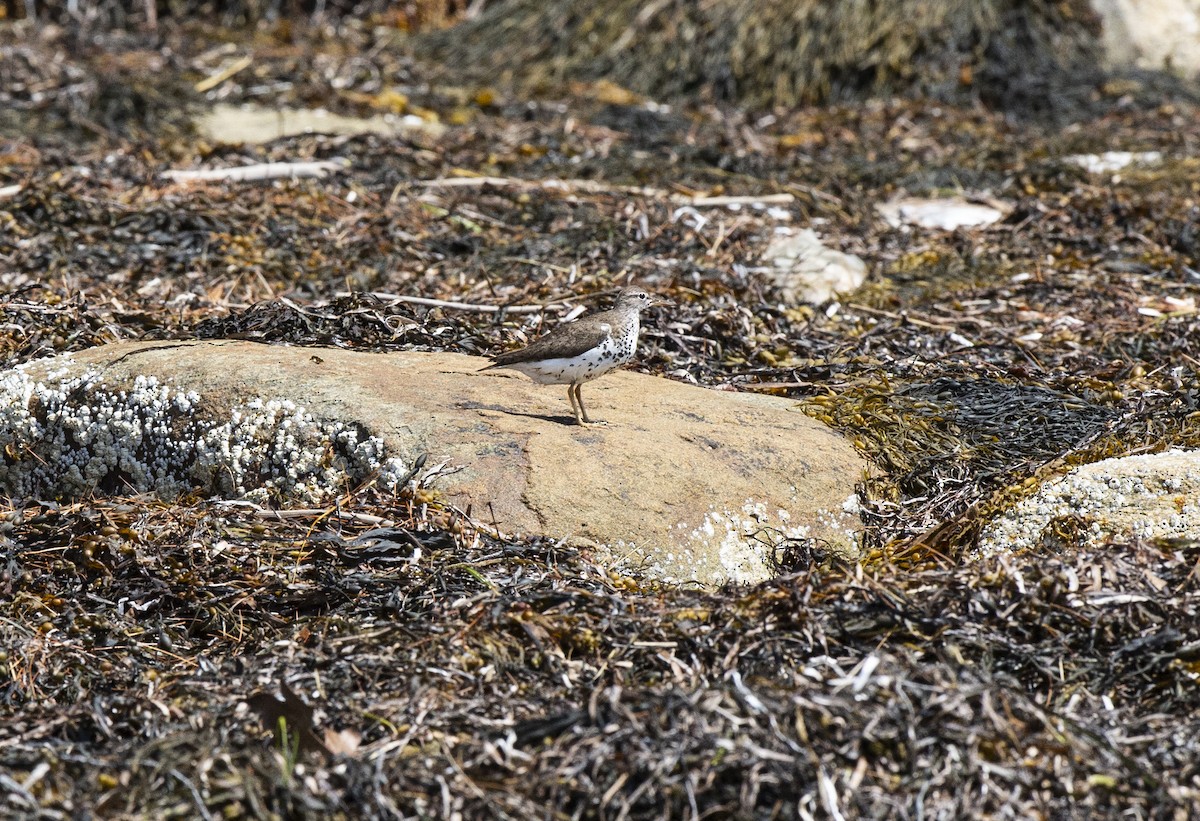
(563, 342)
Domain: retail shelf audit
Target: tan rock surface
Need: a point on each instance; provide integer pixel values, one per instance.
(688, 483)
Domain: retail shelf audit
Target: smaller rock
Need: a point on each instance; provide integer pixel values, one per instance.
(1111, 161)
(944, 214)
(1131, 497)
(1156, 36)
(805, 270)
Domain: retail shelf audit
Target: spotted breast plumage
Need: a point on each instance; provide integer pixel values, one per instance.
(581, 351)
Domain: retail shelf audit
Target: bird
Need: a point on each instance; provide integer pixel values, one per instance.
(583, 350)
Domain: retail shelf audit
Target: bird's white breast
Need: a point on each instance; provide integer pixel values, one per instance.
(583, 368)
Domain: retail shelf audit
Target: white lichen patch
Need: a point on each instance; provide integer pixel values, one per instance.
(1148, 496)
(726, 546)
(68, 435)
(744, 539)
(736, 546)
(841, 526)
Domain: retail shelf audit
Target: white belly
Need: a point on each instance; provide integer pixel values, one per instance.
(591, 365)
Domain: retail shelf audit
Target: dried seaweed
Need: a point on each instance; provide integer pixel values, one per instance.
(453, 671)
(513, 680)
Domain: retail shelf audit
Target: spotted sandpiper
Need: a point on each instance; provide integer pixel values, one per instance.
(583, 350)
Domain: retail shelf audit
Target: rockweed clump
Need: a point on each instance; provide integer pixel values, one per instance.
(68, 435)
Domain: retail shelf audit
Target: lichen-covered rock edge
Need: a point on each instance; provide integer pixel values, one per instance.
(68, 434)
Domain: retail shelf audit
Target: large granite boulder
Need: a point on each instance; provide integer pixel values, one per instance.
(685, 483)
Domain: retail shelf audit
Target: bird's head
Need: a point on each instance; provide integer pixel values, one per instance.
(639, 299)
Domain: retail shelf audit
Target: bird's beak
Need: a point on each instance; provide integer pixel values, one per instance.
(660, 302)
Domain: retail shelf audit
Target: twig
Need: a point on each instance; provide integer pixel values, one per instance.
(593, 187)
(587, 186)
(470, 182)
(305, 513)
(921, 323)
(260, 171)
(209, 83)
(759, 199)
(460, 306)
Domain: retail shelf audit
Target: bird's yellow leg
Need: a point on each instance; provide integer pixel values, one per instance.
(583, 411)
(574, 407)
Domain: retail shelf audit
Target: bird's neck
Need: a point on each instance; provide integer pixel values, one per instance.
(628, 325)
